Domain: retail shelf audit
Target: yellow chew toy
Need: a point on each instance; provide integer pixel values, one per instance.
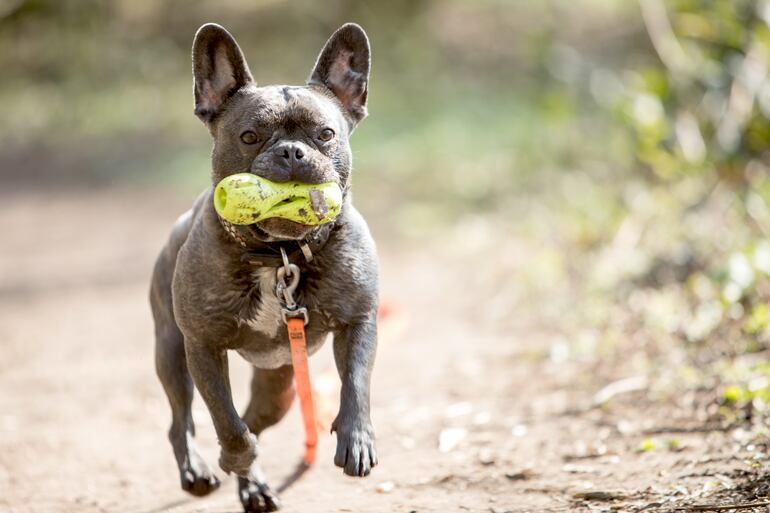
(245, 198)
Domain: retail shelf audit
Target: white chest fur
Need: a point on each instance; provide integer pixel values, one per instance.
(266, 317)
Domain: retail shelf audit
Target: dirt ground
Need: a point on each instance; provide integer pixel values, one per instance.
(467, 418)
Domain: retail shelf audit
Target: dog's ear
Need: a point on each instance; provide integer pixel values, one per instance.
(343, 66)
(219, 70)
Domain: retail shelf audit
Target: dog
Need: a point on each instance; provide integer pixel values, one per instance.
(214, 284)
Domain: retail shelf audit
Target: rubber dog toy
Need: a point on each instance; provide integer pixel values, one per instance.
(245, 198)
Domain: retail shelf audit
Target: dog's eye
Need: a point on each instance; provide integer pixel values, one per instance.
(249, 137)
(327, 134)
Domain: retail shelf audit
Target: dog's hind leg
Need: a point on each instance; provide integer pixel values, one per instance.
(171, 365)
(272, 392)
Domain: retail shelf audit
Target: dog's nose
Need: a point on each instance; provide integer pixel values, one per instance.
(287, 160)
(290, 153)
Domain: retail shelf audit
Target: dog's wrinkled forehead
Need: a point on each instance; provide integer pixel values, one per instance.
(288, 107)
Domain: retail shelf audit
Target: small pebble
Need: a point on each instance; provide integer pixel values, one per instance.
(486, 457)
(458, 410)
(519, 430)
(449, 438)
(386, 487)
(481, 418)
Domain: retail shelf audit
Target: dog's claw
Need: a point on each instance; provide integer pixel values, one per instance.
(356, 452)
(200, 484)
(257, 497)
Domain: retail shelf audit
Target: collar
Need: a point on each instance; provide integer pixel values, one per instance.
(268, 254)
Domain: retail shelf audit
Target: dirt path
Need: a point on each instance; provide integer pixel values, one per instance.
(83, 418)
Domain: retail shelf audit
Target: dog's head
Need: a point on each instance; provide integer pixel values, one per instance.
(282, 133)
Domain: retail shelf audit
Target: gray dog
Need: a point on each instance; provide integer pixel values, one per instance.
(214, 283)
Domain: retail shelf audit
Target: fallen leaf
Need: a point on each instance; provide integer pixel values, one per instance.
(520, 475)
(577, 469)
(622, 386)
(597, 495)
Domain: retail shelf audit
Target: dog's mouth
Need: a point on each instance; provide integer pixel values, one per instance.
(280, 228)
(276, 228)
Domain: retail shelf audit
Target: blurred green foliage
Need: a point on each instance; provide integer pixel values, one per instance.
(705, 106)
(689, 252)
(700, 119)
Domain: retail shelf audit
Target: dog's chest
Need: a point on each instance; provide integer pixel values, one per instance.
(264, 315)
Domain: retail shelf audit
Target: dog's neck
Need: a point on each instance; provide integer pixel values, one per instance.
(268, 253)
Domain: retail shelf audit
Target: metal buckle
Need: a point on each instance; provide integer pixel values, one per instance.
(306, 251)
(297, 312)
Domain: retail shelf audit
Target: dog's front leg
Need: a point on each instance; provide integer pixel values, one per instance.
(354, 350)
(208, 367)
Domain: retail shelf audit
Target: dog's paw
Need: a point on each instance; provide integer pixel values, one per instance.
(356, 452)
(239, 461)
(256, 496)
(197, 478)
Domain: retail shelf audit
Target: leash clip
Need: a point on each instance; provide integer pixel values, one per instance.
(285, 291)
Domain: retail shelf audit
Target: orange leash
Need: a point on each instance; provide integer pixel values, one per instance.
(295, 317)
(296, 327)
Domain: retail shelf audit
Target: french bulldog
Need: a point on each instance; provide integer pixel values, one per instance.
(214, 284)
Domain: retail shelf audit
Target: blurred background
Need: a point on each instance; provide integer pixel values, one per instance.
(583, 181)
